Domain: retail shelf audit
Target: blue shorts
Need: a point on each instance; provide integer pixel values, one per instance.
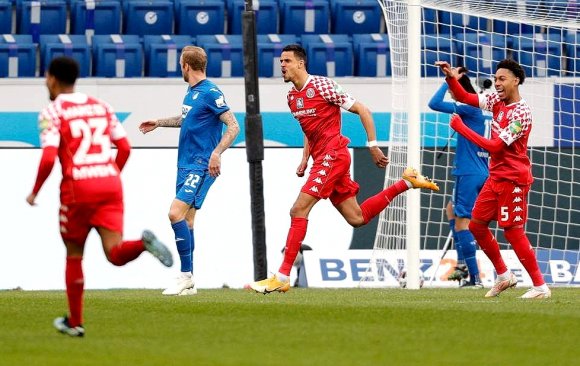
(465, 192)
(192, 186)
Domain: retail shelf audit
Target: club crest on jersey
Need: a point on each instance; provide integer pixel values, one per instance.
(515, 127)
(310, 92)
(44, 124)
(220, 102)
(195, 95)
(299, 103)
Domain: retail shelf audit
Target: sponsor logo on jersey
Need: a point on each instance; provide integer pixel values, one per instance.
(310, 92)
(327, 157)
(93, 171)
(517, 190)
(184, 111)
(515, 127)
(322, 172)
(314, 189)
(299, 103)
(317, 180)
(518, 218)
(220, 102)
(517, 199)
(325, 163)
(518, 209)
(305, 112)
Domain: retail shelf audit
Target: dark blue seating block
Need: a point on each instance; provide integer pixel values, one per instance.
(436, 49)
(105, 18)
(223, 59)
(371, 55)
(162, 54)
(266, 16)
(539, 54)
(451, 24)
(355, 17)
(481, 52)
(52, 19)
(304, 17)
(18, 59)
(573, 54)
(200, 17)
(112, 59)
(52, 46)
(333, 58)
(269, 51)
(143, 17)
(5, 17)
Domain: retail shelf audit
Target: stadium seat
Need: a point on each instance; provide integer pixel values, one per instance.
(117, 56)
(304, 17)
(99, 17)
(372, 55)
(74, 46)
(482, 51)
(144, 17)
(539, 54)
(452, 24)
(269, 50)
(225, 56)
(355, 17)
(196, 17)
(430, 23)
(573, 53)
(162, 54)
(5, 17)
(17, 56)
(329, 54)
(266, 16)
(434, 49)
(42, 17)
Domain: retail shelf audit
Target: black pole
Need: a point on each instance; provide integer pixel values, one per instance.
(254, 141)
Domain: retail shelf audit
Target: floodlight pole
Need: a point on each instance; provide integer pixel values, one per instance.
(254, 140)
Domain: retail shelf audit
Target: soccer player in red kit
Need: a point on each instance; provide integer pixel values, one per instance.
(315, 101)
(504, 194)
(79, 129)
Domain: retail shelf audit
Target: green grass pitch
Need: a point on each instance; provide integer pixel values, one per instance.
(301, 327)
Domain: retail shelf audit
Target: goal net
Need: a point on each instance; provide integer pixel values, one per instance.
(543, 36)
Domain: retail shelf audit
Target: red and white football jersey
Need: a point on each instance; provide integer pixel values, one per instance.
(82, 128)
(317, 108)
(513, 124)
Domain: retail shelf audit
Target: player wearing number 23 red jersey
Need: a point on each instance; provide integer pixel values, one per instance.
(80, 129)
(504, 195)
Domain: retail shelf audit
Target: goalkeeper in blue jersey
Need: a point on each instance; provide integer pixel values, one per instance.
(470, 169)
(201, 142)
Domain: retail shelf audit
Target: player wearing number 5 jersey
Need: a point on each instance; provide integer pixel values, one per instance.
(80, 129)
(504, 195)
(201, 142)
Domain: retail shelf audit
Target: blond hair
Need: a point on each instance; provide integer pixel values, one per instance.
(195, 57)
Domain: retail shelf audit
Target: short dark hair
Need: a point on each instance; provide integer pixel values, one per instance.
(299, 52)
(465, 81)
(64, 69)
(514, 67)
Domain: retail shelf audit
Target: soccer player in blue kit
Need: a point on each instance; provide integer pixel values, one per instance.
(470, 169)
(201, 143)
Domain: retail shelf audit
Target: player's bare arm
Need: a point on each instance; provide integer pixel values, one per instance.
(150, 125)
(305, 156)
(368, 123)
(232, 131)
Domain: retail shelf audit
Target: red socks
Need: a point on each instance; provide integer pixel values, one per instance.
(523, 249)
(488, 244)
(125, 252)
(75, 284)
(296, 235)
(375, 204)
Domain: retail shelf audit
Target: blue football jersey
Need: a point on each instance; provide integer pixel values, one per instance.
(201, 128)
(470, 159)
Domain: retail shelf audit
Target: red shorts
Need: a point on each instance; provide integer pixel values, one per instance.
(77, 219)
(503, 201)
(330, 177)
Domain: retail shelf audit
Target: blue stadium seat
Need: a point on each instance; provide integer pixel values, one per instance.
(304, 17)
(162, 54)
(452, 24)
(269, 50)
(539, 54)
(436, 48)
(17, 56)
(514, 6)
(329, 54)
(5, 17)
(74, 46)
(103, 18)
(200, 17)
(482, 51)
(355, 17)
(225, 56)
(266, 16)
(430, 23)
(117, 56)
(371, 55)
(573, 53)
(144, 17)
(44, 17)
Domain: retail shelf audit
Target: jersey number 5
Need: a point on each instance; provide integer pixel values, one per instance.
(92, 132)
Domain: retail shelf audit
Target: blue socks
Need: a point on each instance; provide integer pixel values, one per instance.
(184, 242)
(465, 237)
(458, 248)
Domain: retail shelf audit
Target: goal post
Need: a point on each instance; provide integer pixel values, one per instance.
(543, 36)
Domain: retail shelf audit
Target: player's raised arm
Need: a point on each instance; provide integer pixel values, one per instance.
(451, 77)
(368, 123)
(150, 125)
